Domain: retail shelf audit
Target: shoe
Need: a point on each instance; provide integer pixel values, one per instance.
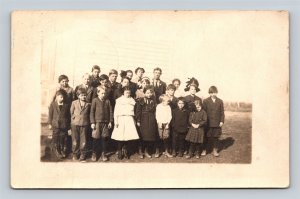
(198, 156)
(185, 152)
(148, 155)
(141, 155)
(203, 153)
(104, 157)
(94, 157)
(82, 158)
(168, 154)
(63, 154)
(215, 153)
(188, 156)
(156, 155)
(180, 154)
(57, 154)
(75, 157)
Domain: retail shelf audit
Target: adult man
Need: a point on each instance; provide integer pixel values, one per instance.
(159, 85)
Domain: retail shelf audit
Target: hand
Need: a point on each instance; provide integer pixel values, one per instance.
(109, 125)
(138, 124)
(69, 132)
(221, 124)
(93, 126)
(50, 126)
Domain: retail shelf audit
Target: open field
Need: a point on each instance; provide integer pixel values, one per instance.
(235, 144)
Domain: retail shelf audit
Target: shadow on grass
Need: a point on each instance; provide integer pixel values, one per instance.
(225, 143)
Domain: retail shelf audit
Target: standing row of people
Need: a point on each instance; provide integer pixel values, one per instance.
(155, 114)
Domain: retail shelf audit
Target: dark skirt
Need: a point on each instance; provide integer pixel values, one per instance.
(195, 135)
(214, 132)
(148, 128)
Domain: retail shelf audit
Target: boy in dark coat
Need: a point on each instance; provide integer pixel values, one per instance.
(59, 122)
(179, 124)
(80, 121)
(95, 76)
(101, 117)
(215, 112)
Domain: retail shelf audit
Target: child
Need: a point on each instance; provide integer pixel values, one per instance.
(125, 81)
(145, 116)
(139, 72)
(163, 118)
(80, 110)
(192, 87)
(125, 129)
(103, 82)
(178, 93)
(59, 122)
(63, 81)
(145, 82)
(113, 85)
(170, 93)
(133, 86)
(195, 135)
(85, 85)
(95, 76)
(180, 120)
(101, 118)
(215, 111)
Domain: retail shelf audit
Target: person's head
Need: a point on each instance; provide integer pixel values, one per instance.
(164, 99)
(86, 79)
(103, 79)
(157, 73)
(63, 80)
(96, 70)
(59, 96)
(113, 74)
(198, 104)
(171, 89)
(129, 74)
(139, 72)
(101, 91)
(213, 91)
(193, 89)
(81, 94)
(176, 82)
(180, 102)
(125, 82)
(126, 92)
(148, 91)
(145, 82)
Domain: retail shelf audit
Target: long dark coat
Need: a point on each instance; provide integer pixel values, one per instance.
(59, 118)
(215, 111)
(145, 114)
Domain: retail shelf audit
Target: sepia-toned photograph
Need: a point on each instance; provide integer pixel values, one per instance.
(176, 91)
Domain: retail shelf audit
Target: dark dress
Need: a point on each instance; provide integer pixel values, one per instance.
(190, 99)
(145, 114)
(195, 135)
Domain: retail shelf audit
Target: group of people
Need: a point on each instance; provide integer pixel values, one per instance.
(160, 117)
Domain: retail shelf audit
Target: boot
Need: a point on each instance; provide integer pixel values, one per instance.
(215, 152)
(197, 154)
(104, 157)
(168, 154)
(141, 155)
(94, 157)
(203, 152)
(156, 153)
(147, 154)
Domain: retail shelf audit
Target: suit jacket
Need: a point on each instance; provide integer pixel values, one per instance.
(89, 92)
(159, 89)
(59, 118)
(101, 111)
(111, 96)
(180, 120)
(80, 116)
(215, 111)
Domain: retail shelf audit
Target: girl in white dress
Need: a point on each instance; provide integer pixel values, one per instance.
(125, 129)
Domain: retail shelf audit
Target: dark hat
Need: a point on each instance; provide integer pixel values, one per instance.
(192, 82)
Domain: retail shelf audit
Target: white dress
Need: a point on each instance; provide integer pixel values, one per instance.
(124, 116)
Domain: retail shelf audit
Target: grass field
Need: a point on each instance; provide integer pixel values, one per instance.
(235, 144)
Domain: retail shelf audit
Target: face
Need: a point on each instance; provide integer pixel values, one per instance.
(129, 75)
(59, 98)
(86, 80)
(165, 102)
(82, 97)
(125, 82)
(113, 77)
(192, 90)
(176, 84)
(140, 73)
(127, 94)
(148, 94)
(64, 82)
(180, 104)
(103, 82)
(157, 74)
(144, 84)
(213, 95)
(171, 92)
(198, 107)
(95, 72)
(101, 94)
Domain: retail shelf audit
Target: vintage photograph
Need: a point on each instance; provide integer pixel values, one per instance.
(151, 98)
(170, 94)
